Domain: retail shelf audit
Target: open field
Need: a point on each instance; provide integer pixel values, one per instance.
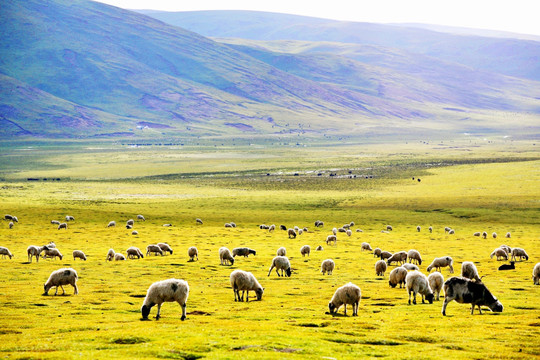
(469, 187)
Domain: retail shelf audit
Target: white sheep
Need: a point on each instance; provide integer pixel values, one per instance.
(417, 283)
(359, 230)
(331, 238)
(165, 247)
(140, 217)
(469, 271)
(508, 235)
(451, 232)
(477, 233)
(319, 248)
(169, 290)
(385, 255)
(500, 253)
(79, 254)
(198, 221)
(418, 228)
(225, 256)
(291, 233)
(272, 228)
(130, 222)
(400, 257)
(193, 253)
(245, 281)
(233, 224)
(346, 226)
(380, 267)
(111, 224)
(133, 252)
(167, 225)
(365, 246)
(55, 222)
(349, 232)
(519, 252)
(436, 282)
(70, 218)
(377, 252)
(342, 230)
(129, 227)
(281, 251)
(4, 251)
(305, 250)
(414, 255)
(389, 228)
(296, 228)
(62, 226)
(410, 267)
(536, 274)
(110, 255)
(494, 235)
(506, 248)
(228, 225)
(441, 262)
(152, 248)
(300, 231)
(281, 263)
(447, 229)
(348, 294)
(430, 229)
(327, 266)
(10, 225)
(52, 253)
(119, 257)
(334, 231)
(484, 235)
(61, 277)
(134, 232)
(397, 276)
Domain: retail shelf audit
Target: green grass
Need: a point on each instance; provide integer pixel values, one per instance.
(498, 192)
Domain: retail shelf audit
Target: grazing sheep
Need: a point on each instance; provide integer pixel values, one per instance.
(465, 291)
(484, 235)
(296, 228)
(410, 267)
(359, 230)
(477, 234)
(119, 257)
(536, 274)
(494, 235)
(506, 248)
(500, 253)
(133, 252)
(4, 251)
(283, 227)
(348, 294)
(110, 255)
(198, 221)
(62, 226)
(166, 225)
(366, 246)
(418, 228)
(233, 224)
(305, 229)
(327, 266)
(430, 229)
(447, 229)
(165, 247)
(451, 232)
(334, 231)
(417, 283)
(389, 228)
(130, 222)
(400, 257)
(51, 245)
(346, 226)
(380, 267)
(281, 251)
(414, 255)
(10, 225)
(349, 232)
(140, 217)
(305, 250)
(245, 281)
(78, 254)
(519, 252)
(225, 256)
(111, 224)
(152, 248)
(281, 263)
(510, 266)
(243, 251)
(508, 235)
(319, 223)
(469, 271)
(436, 282)
(193, 253)
(8, 217)
(134, 232)
(52, 253)
(300, 231)
(377, 252)
(55, 222)
(169, 290)
(129, 227)
(59, 278)
(441, 262)
(385, 255)
(291, 233)
(342, 230)
(331, 238)
(272, 228)
(264, 227)
(319, 248)
(70, 218)
(351, 223)
(397, 276)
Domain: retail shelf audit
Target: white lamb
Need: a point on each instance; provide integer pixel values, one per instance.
(119, 257)
(165, 247)
(193, 253)
(140, 217)
(111, 224)
(110, 255)
(348, 294)
(334, 231)
(519, 252)
(380, 267)
(134, 252)
(61, 277)
(327, 266)
(4, 251)
(79, 254)
(305, 250)
(169, 290)
(130, 222)
(331, 238)
(500, 253)
(436, 282)
(414, 255)
(10, 225)
(400, 257)
(281, 251)
(366, 246)
(397, 276)
(508, 235)
(152, 248)
(441, 262)
(62, 226)
(377, 252)
(245, 281)
(225, 256)
(52, 253)
(417, 283)
(536, 274)
(281, 263)
(348, 232)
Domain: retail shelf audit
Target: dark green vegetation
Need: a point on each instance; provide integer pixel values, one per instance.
(84, 69)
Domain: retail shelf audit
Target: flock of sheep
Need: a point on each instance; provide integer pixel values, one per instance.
(465, 289)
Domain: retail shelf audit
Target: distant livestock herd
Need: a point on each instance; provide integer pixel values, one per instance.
(465, 289)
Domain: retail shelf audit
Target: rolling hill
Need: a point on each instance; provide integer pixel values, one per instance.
(85, 69)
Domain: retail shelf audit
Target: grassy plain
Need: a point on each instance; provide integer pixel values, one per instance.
(470, 187)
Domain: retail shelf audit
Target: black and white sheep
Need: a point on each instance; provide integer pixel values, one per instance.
(134, 252)
(469, 271)
(380, 267)
(348, 294)
(327, 266)
(319, 223)
(400, 257)
(153, 248)
(305, 250)
(484, 234)
(414, 255)
(441, 262)
(59, 278)
(417, 283)
(169, 290)
(245, 281)
(465, 291)
(519, 253)
(55, 222)
(281, 251)
(536, 274)
(79, 254)
(134, 232)
(436, 282)
(281, 263)
(225, 256)
(4, 251)
(397, 276)
(243, 251)
(193, 253)
(165, 247)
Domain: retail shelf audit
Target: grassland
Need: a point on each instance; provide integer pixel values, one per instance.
(470, 187)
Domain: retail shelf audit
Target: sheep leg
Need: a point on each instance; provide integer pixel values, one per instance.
(447, 299)
(277, 272)
(247, 296)
(76, 289)
(183, 311)
(409, 297)
(479, 310)
(414, 298)
(56, 292)
(423, 302)
(269, 271)
(355, 309)
(345, 309)
(158, 311)
(236, 295)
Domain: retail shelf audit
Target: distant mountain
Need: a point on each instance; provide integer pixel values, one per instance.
(77, 68)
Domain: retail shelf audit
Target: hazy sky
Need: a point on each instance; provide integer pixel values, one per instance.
(520, 16)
